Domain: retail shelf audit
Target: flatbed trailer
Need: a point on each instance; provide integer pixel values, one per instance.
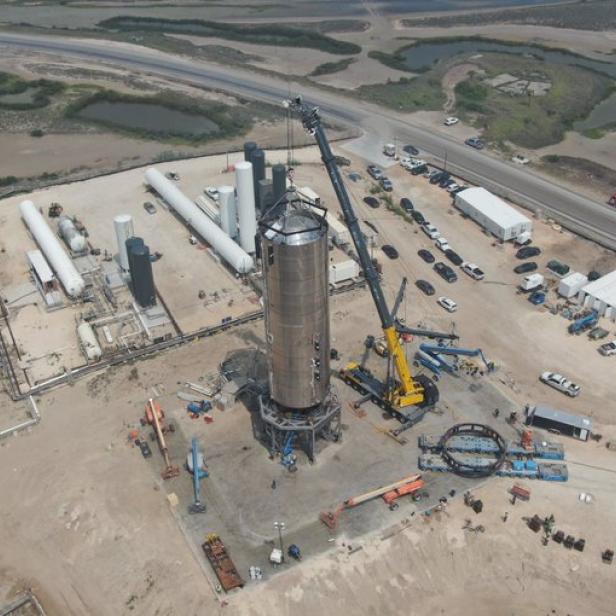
(482, 445)
(221, 562)
(546, 471)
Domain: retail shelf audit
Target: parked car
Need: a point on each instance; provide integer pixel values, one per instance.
(558, 381)
(524, 268)
(521, 160)
(425, 287)
(537, 298)
(445, 180)
(429, 171)
(476, 143)
(372, 202)
(341, 161)
(406, 204)
(473, 271)
(435, 178)
(447, 303)
(457, 189)
(450, 121)
(442, 244)
(598, 333)
(607, 349)
(445, 272)
(390, 251)
(593, 275)
(410, 149)
(560, 269)
(374, 172)
(418, 168)
(149, 207)
(417, 216)
(354, 176)
(454, 257)
(212, 192)
(389, 149)
(527, 252)
(431, 231)
(426, 255)
(386, 184)
(453, 187)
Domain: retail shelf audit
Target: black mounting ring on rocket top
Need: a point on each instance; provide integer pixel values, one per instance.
(464, 469)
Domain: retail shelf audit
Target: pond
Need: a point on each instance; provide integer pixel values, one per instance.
(602, 115)
(22, 98)
(423, 56)
(149, 117)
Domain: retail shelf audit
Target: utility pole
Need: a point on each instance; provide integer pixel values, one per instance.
(280, 527)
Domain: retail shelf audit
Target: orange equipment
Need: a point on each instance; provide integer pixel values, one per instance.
(409, 488)
(330, 518)
(155, 417)
(527, 439)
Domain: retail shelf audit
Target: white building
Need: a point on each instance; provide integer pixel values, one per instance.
(600, 295)
(492, 213)
(571, 284)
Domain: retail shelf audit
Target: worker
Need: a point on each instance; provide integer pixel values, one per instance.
(273, 484)
(506, 516)
(496, 413)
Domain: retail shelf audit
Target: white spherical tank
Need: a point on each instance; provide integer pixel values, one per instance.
(194, 217)
(246, 214)
(228, 211)
(89, 342)
(75, 240)
(56, 255)
(124, 229)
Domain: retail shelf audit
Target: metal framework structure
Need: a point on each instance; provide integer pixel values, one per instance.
(466, 469)
(321, 422)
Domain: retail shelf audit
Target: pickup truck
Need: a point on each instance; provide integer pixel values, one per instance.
(442, 244)
(607, 349)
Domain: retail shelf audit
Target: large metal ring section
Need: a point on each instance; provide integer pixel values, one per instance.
(466, 468)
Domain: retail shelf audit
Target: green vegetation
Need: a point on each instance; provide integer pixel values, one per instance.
(20, 94)
(526, 120)
(8, 180)
(261, 34)
(229, 121)
(394, 60)
(423, 92)
(329, 68)
(600, 131)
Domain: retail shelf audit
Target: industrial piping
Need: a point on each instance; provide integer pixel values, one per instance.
(56, 255)
(219, 240)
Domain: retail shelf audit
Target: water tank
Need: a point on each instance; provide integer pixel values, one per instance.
(62, 265)
(142, 277)
(249, 146)
(246, 214)
(279, 181)
(257, 159)
(294, 252)
(228, 211)
(123, 225)
(89, 342)
(74, 240)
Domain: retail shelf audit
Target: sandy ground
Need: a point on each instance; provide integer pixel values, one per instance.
(452, 78)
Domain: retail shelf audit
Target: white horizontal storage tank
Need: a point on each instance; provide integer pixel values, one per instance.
(89, 342)
(124, 229)
(218, 239)
(68, 275)
(492, 213)
(246, 214)
(75, 240)
(570, 285)
(228, 211)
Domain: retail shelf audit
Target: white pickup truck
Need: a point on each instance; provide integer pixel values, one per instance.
(607, 349)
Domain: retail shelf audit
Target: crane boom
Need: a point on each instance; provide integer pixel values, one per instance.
(408, 391)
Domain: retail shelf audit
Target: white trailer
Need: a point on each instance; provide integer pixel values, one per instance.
(571, 284)
(345, 270)
(493, 214)
(531, 282)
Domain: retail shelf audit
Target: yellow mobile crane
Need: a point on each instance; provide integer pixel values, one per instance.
(393, 395)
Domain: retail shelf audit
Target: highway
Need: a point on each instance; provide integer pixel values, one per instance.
(572, 210)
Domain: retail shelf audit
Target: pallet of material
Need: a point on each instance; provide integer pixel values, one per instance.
(221, 562)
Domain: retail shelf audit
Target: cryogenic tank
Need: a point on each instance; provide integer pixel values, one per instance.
(89, 343)
(124, 229)
(257, 158)
(218, 239)
(56, 255)
(295, 270)
(279, 181)
(141, 274)
(249, 147)
(228, 211)
(75, 241)
(246, 206)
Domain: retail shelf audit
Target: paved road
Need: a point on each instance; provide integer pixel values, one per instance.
(572, 210)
